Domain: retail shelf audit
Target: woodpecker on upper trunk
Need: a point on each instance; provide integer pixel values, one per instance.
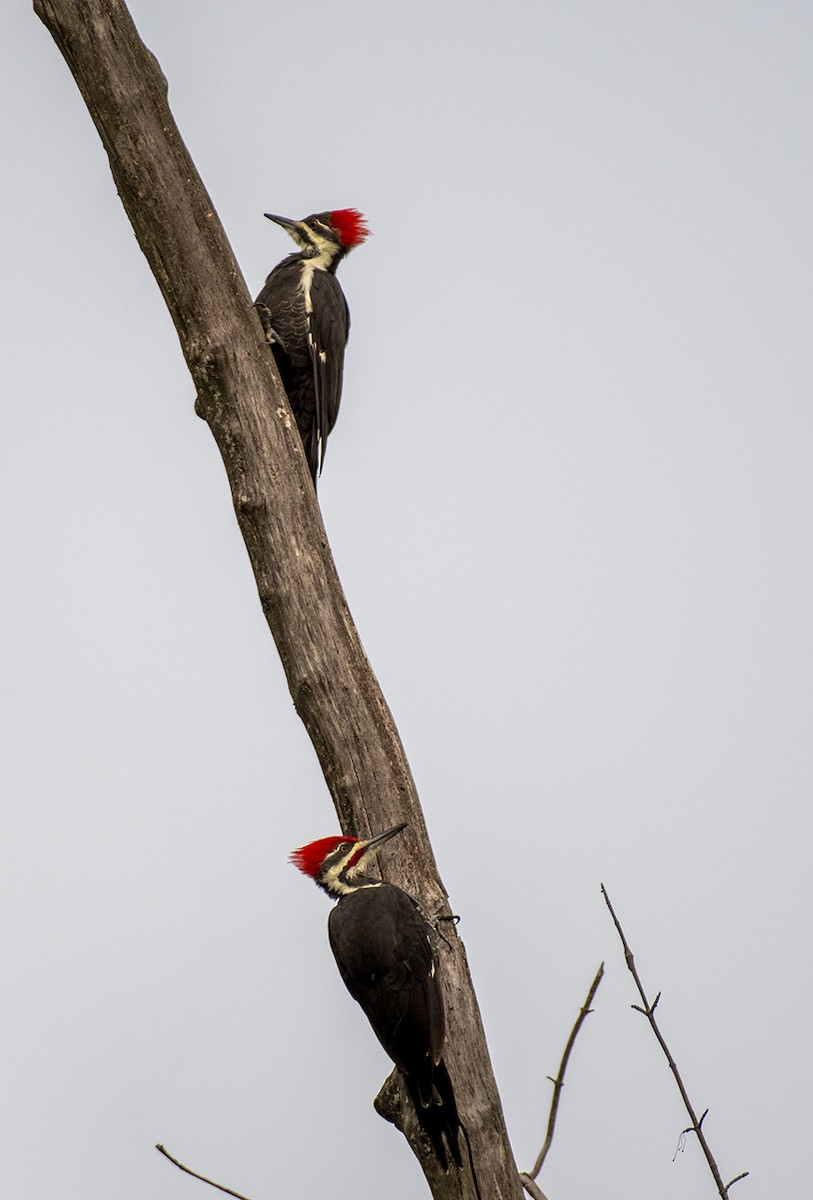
(382, 946)
(307, 322)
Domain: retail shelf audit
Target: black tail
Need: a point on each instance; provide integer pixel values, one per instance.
(439, 1118)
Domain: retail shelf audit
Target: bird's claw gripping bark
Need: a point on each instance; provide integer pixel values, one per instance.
(271, 335)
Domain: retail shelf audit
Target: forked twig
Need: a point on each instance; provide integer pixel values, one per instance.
(648, 1011)
(220, 1187)
(528, 1178)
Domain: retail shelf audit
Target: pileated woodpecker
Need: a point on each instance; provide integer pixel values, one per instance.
(307, 322)
(381, 943)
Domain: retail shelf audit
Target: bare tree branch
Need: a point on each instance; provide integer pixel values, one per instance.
(332, 684)
(559, 1081)
(220, 1187)
(527, 1178)
(531, 1187)
(648, 1011)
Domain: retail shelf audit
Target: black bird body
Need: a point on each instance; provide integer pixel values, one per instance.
(379, 940)
(307, 322)
(383, 948)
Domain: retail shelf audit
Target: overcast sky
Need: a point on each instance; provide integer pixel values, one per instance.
(569, 496)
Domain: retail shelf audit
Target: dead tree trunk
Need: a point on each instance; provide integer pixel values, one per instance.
(240, 396)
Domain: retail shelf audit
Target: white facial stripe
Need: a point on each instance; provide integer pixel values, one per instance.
(323, 249)
(332, 881)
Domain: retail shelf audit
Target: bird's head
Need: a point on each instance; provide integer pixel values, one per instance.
(327, 236)
(339, 864)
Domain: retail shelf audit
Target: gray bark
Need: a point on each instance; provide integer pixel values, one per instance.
(240, 396)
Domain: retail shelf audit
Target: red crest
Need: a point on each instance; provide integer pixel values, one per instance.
(351, 226)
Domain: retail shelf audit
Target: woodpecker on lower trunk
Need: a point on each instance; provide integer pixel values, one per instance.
(307, 322)
(382, 946)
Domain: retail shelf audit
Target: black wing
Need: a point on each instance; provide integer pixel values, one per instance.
(281, 307)
(381, 945)
(328, 331)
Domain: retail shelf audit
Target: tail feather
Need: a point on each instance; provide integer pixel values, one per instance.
(439, 1118)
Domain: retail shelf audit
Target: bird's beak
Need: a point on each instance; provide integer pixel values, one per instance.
(380, 838)
(285, 222)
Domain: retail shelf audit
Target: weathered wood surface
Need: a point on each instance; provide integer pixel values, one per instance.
(240, 396)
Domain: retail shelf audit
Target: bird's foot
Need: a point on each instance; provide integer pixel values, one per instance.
(444, 916)
(271, 335)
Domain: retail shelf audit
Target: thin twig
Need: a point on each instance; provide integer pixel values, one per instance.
(649, 1012)
(527, 1177)
(532, 1188)
(202, 1178)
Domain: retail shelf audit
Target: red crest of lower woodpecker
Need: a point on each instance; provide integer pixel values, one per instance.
(351, 226)
(310, 858)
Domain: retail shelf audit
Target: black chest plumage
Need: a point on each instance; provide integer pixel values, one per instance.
(305, 316)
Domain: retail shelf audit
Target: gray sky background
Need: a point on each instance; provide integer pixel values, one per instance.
(569, 497)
